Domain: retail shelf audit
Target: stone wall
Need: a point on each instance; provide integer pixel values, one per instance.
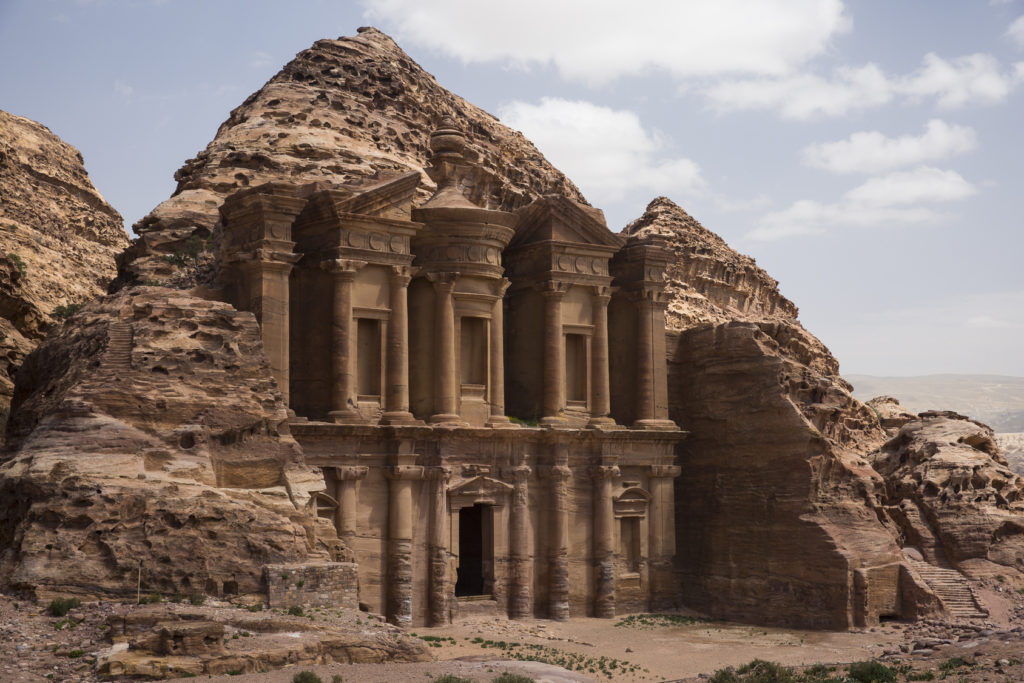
(322, 584)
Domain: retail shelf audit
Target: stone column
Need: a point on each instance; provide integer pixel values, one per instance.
(600, 396)
(520, 601)
(438, 545)
(400, 522)
(270, 285)
(343, 272)
(604, 544)
(662, 536)
(497, 353)
(397, 392)
(558, 548)
(347, 497)
(445, 382)
(554, 353)
(651, 366)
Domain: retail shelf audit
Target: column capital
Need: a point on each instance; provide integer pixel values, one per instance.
(440, 473)
(517, 473)
(602, 295)
(401, 275)
(554, 289)
(666, 471)
(503, 285)
(443, 281)
(404, 472)
(350, 472)
(557, 473)
(605, 471)
(650, 294)
(342, 268)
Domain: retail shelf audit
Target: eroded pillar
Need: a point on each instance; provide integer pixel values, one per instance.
(437, 547)
(604, 543)
(400, 523)
(343, 273)
(397, 392)
(600, 397)
(662, 536)
(520, 599)
(558, 549)
(445, 381)
(554, 353)
(345, 492)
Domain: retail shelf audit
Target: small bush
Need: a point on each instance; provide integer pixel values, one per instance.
(921, 676)
(300, 583)
(75, 654)
(306, 677)
(296, 611)
(18, 263)
(956, 663)
(151, 599)
(336, 678)
(65, 312)
(512, 678)
(196, 599)
(756, 671)
(871, 672)
(450, 678)
(177, 598)
(256, 607)
(59, 607)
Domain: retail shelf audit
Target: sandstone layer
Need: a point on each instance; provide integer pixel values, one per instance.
(955, 495)
(341, 111)
(777, 511)
(50, 214)
(147, 435)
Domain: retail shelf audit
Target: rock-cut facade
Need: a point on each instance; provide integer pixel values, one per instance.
(484, 390)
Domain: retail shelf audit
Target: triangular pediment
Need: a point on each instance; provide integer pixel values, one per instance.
(479, 486)
(389, 197)
(559, 219)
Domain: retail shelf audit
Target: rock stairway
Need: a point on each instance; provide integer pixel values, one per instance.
(118, 354)
(952, 588)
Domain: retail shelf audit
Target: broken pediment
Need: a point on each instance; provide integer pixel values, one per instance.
(387, 197)
(559, 219)
(480, 488)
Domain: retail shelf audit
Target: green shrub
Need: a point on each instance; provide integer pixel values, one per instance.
(512, 678)
(336, 678)
(255, 607)
(296, 611)
(177, 598)
(756, 671)
(59, 607)
(65, 312)
(921, 676)
(75, 654)
(306, 677)
(450, 678)
(871, 672)
(956, 663)
(18, 263)
(196, 599)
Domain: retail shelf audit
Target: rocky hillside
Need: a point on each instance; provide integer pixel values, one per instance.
(147, 434)
(341, 111)
(50, 213)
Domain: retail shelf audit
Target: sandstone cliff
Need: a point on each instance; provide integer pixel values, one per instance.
(341, 111)
(777, 511)
(50, 213)
(147, 432)
(955, 495)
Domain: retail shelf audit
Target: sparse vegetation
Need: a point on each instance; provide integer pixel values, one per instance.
(189, 254)
(306, 677)
(196, 599)
(59, 607)
(871, 672)
(655, 620)
(451, 678)
(64, 312)
(954, 663)
(525, 422)
(512, 678)
(75, 654)
(18, 263)
(296, 611)
(573, 661)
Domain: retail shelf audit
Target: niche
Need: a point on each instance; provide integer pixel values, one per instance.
(576, 368)
(368, 351)
(473, 351)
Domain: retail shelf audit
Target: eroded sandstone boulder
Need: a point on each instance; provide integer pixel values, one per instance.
(891, 415)
(50, 214)
(342, 111)
(958, 498)
(148, 432)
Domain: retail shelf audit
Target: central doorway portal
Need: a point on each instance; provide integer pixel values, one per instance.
(476, 553)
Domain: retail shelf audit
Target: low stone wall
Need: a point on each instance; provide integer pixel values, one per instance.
(322, 584)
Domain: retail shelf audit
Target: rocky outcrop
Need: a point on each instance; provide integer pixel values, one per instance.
(708, 282)
(148, 436)
(955, 494)
(890, 413)
(341, 111)
(50, 213)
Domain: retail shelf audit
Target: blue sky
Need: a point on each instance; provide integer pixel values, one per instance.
(868, 154)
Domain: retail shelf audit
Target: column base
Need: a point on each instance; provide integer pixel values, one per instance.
(554, 422)
(399, 417)
(500, 422)
(345, 417)
(447, 418)
(657, 425)
(603, 423)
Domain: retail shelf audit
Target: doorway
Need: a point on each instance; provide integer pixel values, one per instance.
(476, 551)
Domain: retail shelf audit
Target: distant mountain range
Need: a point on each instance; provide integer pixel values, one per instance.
(996, 400)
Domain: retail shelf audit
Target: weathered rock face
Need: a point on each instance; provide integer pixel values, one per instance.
(709, 282)
(341, 111)
(149, 432)
(777, 512)
(951, 470)
(1012, 444)
(891, 414)
(50, 213)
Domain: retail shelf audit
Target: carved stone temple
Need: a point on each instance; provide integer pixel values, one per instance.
(404, 339)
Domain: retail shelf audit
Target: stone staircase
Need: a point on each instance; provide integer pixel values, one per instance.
(118, 354)
(953, 589)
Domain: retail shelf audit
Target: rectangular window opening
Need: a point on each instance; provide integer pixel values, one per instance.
(473, 349)
(368, 352)
(629, 540)
(575, 367)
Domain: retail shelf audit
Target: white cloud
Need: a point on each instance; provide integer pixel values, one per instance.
(600, 40)
(122, 89)
(260, 59)
(1016, 31)
(895, 199)
(872, 152)
(972, 79)
(922, 184)
(989, 322)
(607, 152)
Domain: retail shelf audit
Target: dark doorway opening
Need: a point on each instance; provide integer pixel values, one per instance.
(474, 551)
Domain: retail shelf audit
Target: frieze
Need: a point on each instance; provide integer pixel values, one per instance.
(375, 241)
(463, 253)
(583, 265)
